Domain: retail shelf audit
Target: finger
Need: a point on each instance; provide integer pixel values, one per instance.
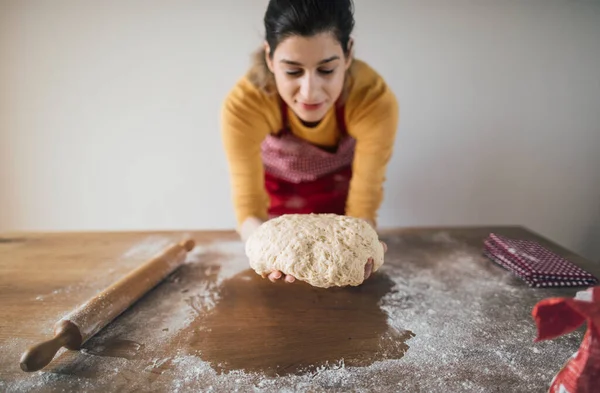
(290, 279)
(274, 276)
(385, 247)
(368, 268)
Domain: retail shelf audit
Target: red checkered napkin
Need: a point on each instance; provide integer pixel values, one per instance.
(497, 255)
(536, 265)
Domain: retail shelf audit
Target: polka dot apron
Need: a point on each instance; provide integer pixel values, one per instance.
(303, 178)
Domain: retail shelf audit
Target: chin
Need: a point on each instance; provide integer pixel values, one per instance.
(312, 116)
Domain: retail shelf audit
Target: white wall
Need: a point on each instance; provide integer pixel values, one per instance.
(109, 112)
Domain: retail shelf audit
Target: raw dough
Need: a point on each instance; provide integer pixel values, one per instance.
(323, 250)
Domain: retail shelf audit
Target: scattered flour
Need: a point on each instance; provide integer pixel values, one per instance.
(129, 260)
(471, 320)
(190, 291)
(148, 248)
(442, 237)
(233, 259)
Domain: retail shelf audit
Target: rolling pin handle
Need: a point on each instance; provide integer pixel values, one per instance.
(189, 245)
(66, 334)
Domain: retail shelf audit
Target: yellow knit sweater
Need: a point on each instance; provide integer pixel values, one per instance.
(371, 115)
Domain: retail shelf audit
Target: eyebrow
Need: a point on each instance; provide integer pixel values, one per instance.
(295, 63)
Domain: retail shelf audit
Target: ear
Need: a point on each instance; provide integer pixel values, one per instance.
(350, 55)
(268, 59)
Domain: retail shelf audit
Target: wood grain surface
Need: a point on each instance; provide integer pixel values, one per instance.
(214, 324)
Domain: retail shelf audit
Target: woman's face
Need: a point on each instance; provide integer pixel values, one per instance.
(309, 73)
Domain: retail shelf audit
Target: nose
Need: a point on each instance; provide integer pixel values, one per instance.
(309, 87)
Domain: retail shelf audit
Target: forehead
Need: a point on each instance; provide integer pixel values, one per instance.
(308, 50)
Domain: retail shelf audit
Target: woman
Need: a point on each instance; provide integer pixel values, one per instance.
(309, 129)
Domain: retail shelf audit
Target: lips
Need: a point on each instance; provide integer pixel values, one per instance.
(311, 107)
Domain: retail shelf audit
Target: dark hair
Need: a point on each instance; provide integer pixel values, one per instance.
(307, 18)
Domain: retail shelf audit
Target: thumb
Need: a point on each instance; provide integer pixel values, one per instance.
(385, 247)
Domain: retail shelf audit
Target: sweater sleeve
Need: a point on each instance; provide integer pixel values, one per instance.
(245, 123)
(372, 120)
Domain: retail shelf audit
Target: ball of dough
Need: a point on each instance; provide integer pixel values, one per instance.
(323, 250)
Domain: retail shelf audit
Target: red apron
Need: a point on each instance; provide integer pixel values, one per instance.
(303, 178)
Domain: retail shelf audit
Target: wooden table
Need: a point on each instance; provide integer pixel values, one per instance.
(437, 317)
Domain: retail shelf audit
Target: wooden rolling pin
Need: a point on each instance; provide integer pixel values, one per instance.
(73, 330)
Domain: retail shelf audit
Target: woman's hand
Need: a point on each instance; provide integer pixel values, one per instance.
(277, 275)
(369, 265)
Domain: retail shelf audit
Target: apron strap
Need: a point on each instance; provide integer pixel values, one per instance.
(341, 121)
(285, 126)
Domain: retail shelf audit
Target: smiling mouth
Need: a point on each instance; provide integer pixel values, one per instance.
(311, 107)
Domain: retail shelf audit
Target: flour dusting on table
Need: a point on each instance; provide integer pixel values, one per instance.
(471, 331)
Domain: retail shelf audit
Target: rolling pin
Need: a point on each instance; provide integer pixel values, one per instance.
(73, 330)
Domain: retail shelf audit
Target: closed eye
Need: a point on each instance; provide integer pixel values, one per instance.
(298, 72)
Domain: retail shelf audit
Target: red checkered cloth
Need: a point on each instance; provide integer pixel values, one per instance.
(292, 159)
(534, 264)
(297, 162)
(557, 316)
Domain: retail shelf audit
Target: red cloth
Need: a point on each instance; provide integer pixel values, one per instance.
(536, 265)
(302, 178)
(557, 316)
